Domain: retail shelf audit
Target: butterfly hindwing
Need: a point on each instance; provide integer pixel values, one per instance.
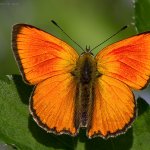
(52, 104)
(114, 108)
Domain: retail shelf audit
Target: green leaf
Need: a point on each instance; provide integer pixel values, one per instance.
(142, 15)
(141, 128)
(17, 127)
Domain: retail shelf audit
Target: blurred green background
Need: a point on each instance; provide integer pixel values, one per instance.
(88, 22)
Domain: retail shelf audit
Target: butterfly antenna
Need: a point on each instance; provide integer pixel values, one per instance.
(123, 28)
(66, 34)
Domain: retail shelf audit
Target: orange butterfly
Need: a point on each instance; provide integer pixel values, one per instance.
(73, 91)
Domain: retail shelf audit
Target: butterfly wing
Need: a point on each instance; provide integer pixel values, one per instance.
(52, 104)
(114, 108)
(123, 65)
(127, 60)
(41, 55)
(47, 62)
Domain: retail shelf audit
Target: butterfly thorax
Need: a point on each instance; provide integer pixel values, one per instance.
(85, 74)
(86, 68)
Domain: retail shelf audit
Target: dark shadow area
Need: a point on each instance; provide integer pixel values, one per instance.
(67, 142)
(24, 90)
(142, 106)
(123, 142)
(51, 140)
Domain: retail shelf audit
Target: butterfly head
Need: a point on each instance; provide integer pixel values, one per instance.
(87, 51)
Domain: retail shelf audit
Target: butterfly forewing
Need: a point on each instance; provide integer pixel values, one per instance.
(127, 60)
(41, 55)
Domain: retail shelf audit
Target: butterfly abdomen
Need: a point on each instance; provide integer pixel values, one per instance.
(85, 75)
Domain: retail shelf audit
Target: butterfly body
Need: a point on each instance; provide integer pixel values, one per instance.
(73, 91)
(85, 75)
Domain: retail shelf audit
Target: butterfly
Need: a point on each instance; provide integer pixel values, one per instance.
(74, 91)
